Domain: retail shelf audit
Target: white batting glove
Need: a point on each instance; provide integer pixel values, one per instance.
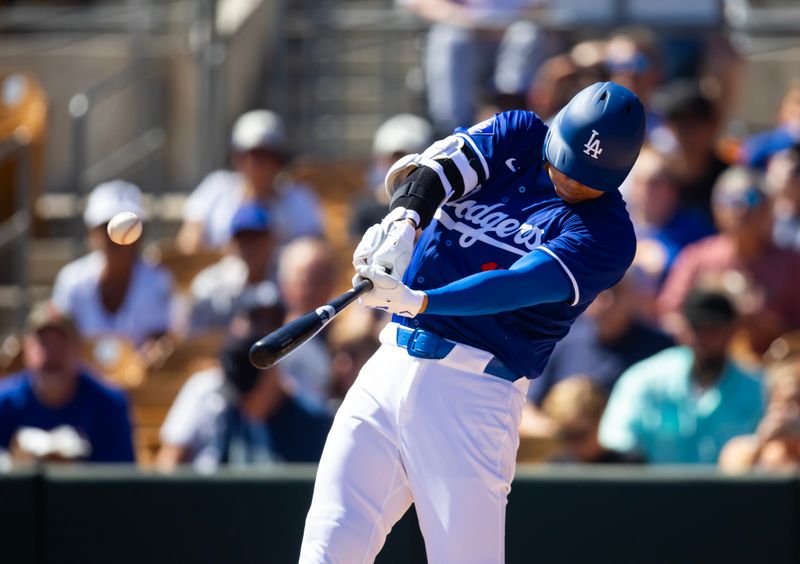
(388, 244)
(389, 293)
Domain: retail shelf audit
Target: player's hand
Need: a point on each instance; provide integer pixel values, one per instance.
(389, 293)
(388, 245)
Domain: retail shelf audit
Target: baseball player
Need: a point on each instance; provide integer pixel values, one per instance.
(523, 226)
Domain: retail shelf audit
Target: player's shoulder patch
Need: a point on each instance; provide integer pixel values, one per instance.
(486, 127)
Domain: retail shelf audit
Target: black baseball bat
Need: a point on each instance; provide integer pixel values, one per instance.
(271, 348)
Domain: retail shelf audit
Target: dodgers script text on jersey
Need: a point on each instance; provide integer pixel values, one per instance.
(520, 213)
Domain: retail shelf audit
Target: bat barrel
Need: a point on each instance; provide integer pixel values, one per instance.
(268, 350)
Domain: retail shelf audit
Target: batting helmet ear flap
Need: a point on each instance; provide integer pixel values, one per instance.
(597, 136)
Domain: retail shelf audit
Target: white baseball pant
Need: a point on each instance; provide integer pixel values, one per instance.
(439, 433)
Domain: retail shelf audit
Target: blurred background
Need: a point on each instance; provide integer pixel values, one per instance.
(252, 136)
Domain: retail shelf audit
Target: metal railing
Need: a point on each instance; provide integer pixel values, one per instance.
(137, 151)
(15, 230)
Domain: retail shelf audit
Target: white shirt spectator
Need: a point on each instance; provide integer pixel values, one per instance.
(192, 421)
(214, 202)
(145, 312)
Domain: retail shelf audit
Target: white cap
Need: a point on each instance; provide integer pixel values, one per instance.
(259, 129)
(110, 198)
(403, 133)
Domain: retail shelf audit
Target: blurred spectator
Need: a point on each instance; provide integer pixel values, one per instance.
(240, 415)
(112, 291)
(743, 216)
(86, 419)
(260, 156)
(576, 405)
(776, 443)
(692, 122)
(226, 287)
(721, 72)
(663, 226)
(783, 180)
(307, 278)
(683, 404)
(559, 78)
(400, 135)
(758, 149)
(633, 60)
(553, 85)
(603, 343)
(469, 40)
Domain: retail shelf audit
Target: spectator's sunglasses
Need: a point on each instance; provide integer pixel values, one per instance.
(748, 200)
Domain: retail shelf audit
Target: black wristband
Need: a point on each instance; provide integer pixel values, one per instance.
(421, 191)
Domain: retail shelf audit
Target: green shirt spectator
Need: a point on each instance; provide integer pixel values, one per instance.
(657, 410)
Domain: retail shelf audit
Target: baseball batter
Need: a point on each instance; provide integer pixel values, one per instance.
(523, 226)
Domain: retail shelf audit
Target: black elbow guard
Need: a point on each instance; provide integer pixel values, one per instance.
(421, 191)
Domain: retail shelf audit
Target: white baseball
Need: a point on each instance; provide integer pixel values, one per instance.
(125, 228)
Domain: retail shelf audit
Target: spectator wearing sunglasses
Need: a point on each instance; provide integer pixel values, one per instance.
(743, 253)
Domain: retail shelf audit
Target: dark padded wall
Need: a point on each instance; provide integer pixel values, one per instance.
(18, 514)
(120, 516)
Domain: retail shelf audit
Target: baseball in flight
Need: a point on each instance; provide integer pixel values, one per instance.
(125, 228)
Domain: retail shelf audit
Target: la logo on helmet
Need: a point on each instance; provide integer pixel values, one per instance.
(592, 147)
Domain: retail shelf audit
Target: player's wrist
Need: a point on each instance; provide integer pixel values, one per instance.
(424, 304)
(411, 304)
(401, 215)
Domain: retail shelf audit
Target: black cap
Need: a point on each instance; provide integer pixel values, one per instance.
(235, 360)
(708, 308)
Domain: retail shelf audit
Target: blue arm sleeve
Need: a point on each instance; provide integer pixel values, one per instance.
(534, 279)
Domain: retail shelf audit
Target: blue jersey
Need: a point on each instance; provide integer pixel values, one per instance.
(514, 212)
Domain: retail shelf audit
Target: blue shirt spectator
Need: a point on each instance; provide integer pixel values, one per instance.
(584, 351)
(682, 405)
(97, 412)
(54, 392)
(604, 342)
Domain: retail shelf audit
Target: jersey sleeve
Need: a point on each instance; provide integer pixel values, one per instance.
(594, 252)
(505, 141)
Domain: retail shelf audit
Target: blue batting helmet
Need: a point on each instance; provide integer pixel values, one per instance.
(596, 138)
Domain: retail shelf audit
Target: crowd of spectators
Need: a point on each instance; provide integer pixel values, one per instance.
(675, 364)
